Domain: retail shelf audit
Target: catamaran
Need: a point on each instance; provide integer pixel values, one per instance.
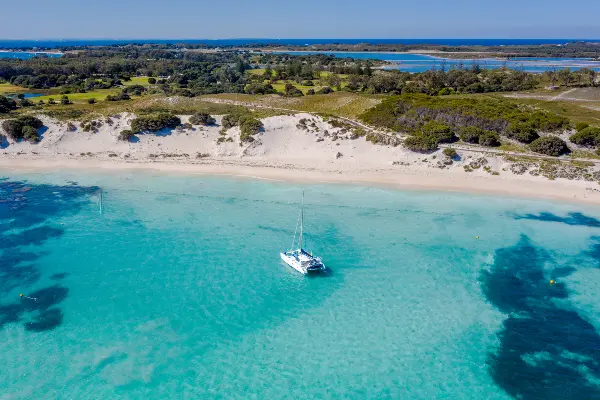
(300, 259)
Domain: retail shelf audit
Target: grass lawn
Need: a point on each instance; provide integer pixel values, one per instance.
(9, 88)
(137, 80)
(99, 95)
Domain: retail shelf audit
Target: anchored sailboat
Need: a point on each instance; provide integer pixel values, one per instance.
(300, 259)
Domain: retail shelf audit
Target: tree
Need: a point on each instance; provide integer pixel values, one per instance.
(523, 132)
(6, 105)
(550, 146)
(152, 81)
(64, 100)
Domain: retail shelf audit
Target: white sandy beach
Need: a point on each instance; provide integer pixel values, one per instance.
(283, 152)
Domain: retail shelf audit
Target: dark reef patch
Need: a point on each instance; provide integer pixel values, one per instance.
(59, 276)
(546, 351)
(574, 218)
(25, 214)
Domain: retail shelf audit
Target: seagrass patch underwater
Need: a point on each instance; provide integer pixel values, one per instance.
(176, 290)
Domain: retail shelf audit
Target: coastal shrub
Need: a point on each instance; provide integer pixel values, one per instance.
(470, 134)
(550, 146)
(91, 101)
(308, 83)
(126, 135)
(581, 126)
(30, 133)
(6, 105)
(152, 81)
(310, 92)
(450, 152)
(523, 132)
(155, 122)
(15, 127)
(122, 95)
(588, 137)
(325, 90)
(202, 118)
(442, 133)
(420, 143)
(64, 100)
(230, 120)
(259, 88)
(248, 127)
(489, 138)
(292, 91)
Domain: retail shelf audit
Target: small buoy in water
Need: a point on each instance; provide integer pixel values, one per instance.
(552, 281)
(476, 237)
(20, 294)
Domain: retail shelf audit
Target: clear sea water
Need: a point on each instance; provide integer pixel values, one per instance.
(177, 291)
(422, 62)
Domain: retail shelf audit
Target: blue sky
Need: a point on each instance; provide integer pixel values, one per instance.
(200, 19)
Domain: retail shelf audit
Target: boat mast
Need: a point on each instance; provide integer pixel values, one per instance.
(302, 220)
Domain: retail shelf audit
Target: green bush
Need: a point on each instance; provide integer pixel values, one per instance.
(489, 138)
(450, 152)
(523, 132)
(581, 126)
(7, 105)
(325, 90)
(292, 91)
(442, 133)
(155, 122)
(202, 118)
(421, 143)
(588, 137)
(470, 134)
(230, 120)
(249, 126)
(15, 127)
(152, 81)
(550, 146)
(126, 135)
(30, 133)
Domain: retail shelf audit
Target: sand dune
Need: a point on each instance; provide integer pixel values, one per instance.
(284, 151)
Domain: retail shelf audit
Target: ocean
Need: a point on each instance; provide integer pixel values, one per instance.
(22, 55)
(55, 43)
(177, 291)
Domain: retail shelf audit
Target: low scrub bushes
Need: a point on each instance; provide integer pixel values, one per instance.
(550, 146)
(588, 137)
(155, 122)
(201, 118)
(23, 127)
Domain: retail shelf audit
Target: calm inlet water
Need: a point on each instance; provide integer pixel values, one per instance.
(177, 291)
(422, 62)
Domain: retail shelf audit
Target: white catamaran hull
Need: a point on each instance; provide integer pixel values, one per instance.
(292, 262)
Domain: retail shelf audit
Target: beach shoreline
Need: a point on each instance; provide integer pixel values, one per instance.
(438, 181)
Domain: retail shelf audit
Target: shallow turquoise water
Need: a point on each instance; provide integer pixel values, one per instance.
(177, 291)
